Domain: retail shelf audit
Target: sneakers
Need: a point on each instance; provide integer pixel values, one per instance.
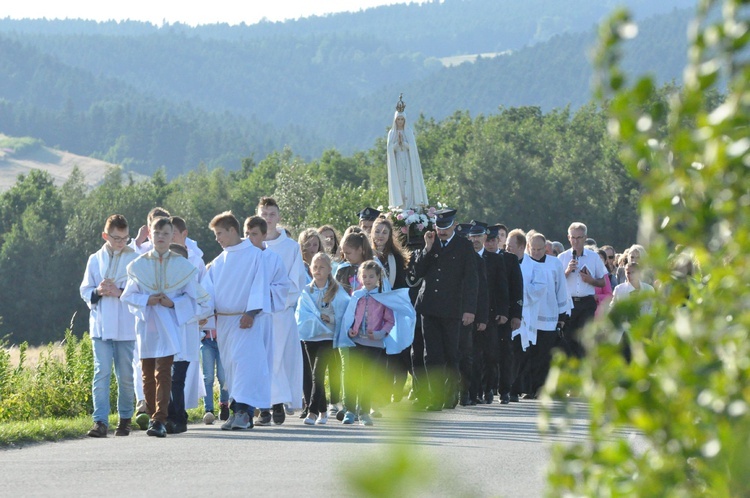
(123, 428)
(365, 419)
(227, 426)
(99, 429)
(279, 415)
(333, 410)
(241, 421)
(322, 419)
(141, 406)
(288, 410)
(304, 413)
(264, 418)
(142, 419)
(209, 418)
(340, 414)
(311, 419)
(223, 411)
(157, 429)
(348, 418)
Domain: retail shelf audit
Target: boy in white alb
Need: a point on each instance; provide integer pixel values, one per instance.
(236, 283)
(286, 384)
(111, 326)
(162, 293)
(276, 296)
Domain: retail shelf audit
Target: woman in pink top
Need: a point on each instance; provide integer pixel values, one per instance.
(603, 295)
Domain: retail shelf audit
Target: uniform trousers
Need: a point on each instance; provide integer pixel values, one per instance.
(486, 361)
(506, 361)
(441, 338)
(466, 358)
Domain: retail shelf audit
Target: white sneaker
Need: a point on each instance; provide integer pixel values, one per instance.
(333, 410)
(310, 420)
(242, 421)
(209, 418)
(227, 426)
(322, 419)
(288, 409)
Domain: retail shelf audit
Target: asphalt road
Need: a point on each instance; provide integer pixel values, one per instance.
(487, 450)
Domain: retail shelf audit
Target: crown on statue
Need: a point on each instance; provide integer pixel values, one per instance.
(400, 106)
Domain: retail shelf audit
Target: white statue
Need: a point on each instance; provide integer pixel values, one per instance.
(406, 187)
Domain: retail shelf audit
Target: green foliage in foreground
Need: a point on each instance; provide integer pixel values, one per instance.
(58, 388)
(686, 391)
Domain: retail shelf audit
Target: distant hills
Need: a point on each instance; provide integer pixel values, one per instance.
(20, 156)
(148, 96)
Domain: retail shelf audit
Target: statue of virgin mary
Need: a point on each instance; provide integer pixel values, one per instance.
(406, 187)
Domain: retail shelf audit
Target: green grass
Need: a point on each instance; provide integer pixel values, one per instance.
(14, 434)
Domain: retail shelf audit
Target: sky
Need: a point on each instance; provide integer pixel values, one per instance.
(187, 12)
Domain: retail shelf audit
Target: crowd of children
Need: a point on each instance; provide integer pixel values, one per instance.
(249, 316)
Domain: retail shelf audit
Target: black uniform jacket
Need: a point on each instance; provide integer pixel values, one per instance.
(450, 281)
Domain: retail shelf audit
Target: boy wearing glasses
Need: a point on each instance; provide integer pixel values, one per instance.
(111, 326)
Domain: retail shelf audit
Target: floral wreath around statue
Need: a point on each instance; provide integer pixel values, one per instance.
(412, 222)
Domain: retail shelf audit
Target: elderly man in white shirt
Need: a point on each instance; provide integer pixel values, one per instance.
(584, 271)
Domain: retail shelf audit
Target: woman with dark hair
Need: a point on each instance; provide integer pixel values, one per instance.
(389, 251)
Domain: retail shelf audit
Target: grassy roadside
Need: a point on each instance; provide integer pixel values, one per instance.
(18, 434)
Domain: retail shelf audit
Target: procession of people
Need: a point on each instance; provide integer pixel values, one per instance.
(471, 312)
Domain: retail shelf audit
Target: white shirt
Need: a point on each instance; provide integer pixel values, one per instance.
(589, 259)
(109, 317)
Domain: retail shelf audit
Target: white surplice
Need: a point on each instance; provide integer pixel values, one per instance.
(275, 299)
(159, 328)
(534, 287)
(286, 385)
(556, 300)
(109, 318)
(236, 283)
(195, 388)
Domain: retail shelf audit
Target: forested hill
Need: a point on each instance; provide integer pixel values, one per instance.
(173, 95)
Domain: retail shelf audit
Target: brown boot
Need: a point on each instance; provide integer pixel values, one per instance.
(123, 428)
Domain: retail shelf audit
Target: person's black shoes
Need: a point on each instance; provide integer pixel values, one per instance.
(157, 429)
(279, 415)
(124, 427)
(99, 429)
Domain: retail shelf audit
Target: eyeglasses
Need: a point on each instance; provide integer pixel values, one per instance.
(610, 257)
(114, 238)
(576, 238)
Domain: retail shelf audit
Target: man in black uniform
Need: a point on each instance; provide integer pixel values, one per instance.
(513, 321)
(447, 299)
(486, 342)
(366, 219)
(466, 351)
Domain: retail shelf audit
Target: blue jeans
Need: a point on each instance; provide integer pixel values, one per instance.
(212, 362)
(107, 352)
